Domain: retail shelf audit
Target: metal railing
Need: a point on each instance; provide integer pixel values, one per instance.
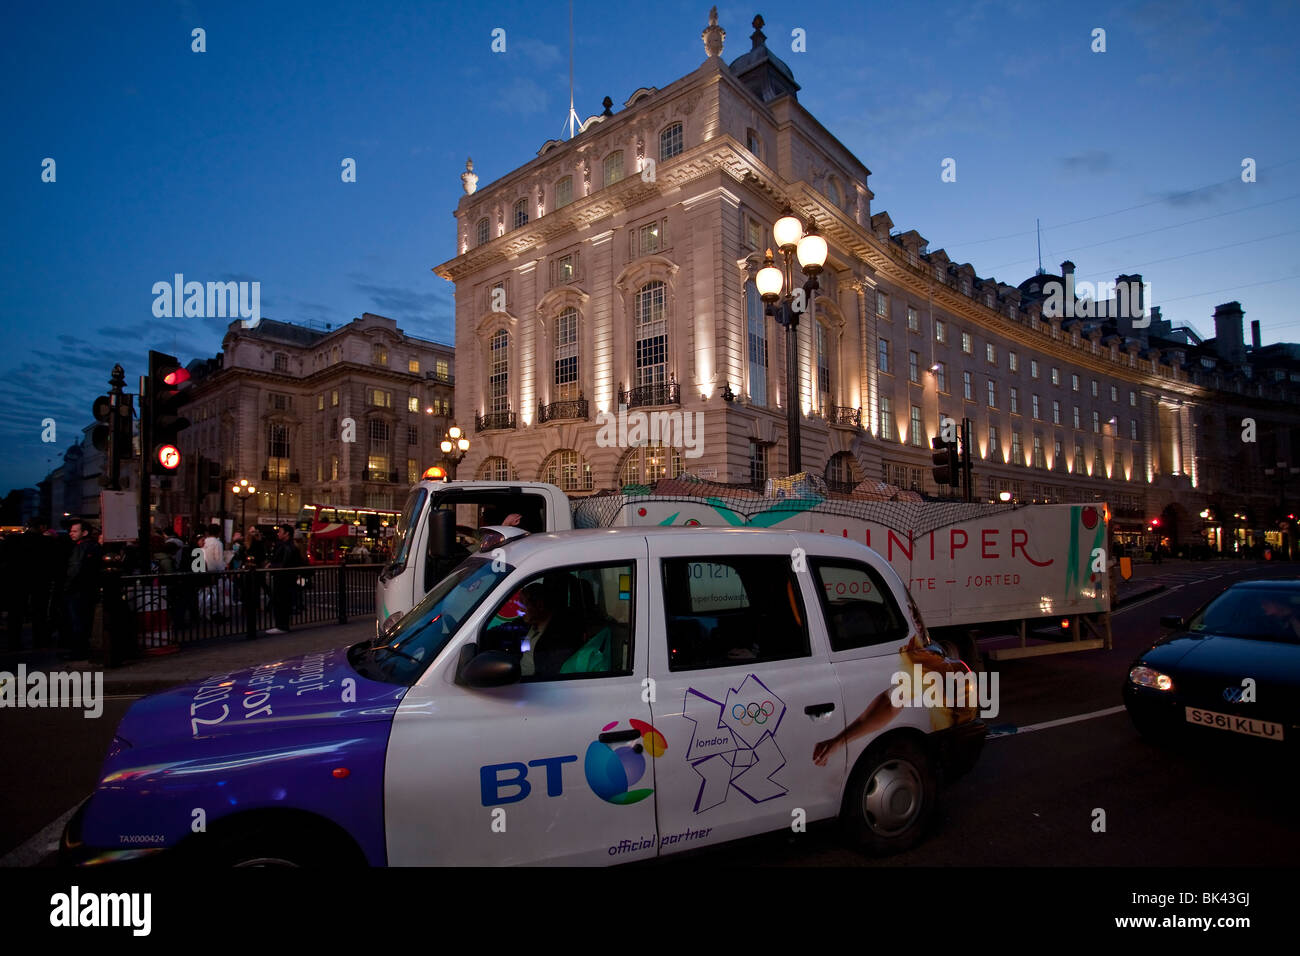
(378, 474)
(843, 415)
(558, 411)
(489, 421)
(665, 393)
(447, 379)
(152, 611)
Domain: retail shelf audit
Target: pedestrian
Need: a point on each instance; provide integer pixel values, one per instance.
(238, 553)
(256, 547)
(284, 559)
(81, 590)
(14, 565)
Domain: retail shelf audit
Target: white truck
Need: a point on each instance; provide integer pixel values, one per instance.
(972, 569)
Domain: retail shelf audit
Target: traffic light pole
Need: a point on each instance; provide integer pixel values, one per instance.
(116, 401)
(146, 453)
(967, 480)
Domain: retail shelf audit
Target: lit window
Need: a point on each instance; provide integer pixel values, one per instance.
(413, 366)
(967, 343)
(913, 320)
(651, 335)
(379, 355)
(481, 237)
(670, 142)
(566, 356)
(1033, 368)
(412, 403)
(940, 330)
(1056, 376)
(499, 372)
(1013, 361)
(613, 167)
(916, 429)
(913, 367)
(886, 419)
(990, 354)
(1074, 383)
(941, 376)
(567, 470)
(882, 305)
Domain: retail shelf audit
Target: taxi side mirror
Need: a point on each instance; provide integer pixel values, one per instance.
(488, 669)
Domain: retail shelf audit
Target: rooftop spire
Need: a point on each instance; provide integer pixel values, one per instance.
(759, 38)
(713, 35)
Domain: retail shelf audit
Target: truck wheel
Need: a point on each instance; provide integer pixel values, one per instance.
(891, 797)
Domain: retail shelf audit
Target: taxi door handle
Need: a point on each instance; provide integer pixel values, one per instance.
(818, 710)
(615, 736)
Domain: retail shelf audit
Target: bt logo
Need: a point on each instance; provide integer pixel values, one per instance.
(611, 771)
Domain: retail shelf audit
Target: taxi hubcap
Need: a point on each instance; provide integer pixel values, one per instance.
(892, 798)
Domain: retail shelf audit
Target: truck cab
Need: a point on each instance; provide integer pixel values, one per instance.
(439, 527)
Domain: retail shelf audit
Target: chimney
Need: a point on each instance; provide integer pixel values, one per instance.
(1228, 342)
(1254, 334)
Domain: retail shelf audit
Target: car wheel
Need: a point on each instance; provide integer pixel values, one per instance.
(262, 846)
(891, 797)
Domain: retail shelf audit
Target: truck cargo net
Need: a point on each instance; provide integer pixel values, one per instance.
(874, 501)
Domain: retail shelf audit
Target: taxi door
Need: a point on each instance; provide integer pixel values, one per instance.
(557, 768)
(744, 689)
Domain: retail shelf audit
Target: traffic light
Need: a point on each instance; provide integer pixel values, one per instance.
(212, 477)
(165, 423)
(945, 468)
(113, 435)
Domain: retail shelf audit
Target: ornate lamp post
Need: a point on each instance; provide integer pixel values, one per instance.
(242, 491)
(454, 448)
(792, 240)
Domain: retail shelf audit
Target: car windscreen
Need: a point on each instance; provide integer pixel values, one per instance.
(406, 649)
(406, 525)
(1266, 614)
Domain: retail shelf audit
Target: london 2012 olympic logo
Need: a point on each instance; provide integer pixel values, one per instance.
(753, 713)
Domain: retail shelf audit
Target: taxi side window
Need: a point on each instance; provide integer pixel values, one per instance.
(730, 610)
(860, 609)
(567, 623)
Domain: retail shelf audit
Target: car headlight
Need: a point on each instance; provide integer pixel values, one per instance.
(1147, 677)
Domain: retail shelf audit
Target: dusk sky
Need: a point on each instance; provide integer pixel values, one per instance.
(226, 164)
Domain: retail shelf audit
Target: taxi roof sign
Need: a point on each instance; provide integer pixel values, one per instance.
(435, 473)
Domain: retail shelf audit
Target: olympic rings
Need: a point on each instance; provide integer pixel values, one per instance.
(753, 713)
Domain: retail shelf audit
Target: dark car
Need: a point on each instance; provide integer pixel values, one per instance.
(1230, 671)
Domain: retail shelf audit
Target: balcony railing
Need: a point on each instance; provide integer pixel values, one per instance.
(665, 393)
(840, 485)
(843, 415)
(447, 379)
(559, 411)
(490, 421)
(376, 474)
(284, 477)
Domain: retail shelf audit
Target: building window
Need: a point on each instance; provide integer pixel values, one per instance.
(839, 471)
(442, 369)
(279, 401)
(566, 469)
(670, 142)
(277, 444)
(990, 353)
(651, 335)
(566, 356)
(320, 402)
(756, 320)
(281, 362)
(380, 398)
(915, 429)
(1058, 457)
(1080, 463)
(967, 387)
(1074, 383)
(913, 320)
(1056, 376)
(940, 331)
(913, 367)
(941, 376)
(412, 403)
(379, 354)
(757, 464)
(499, 372)
(995, 449)
(966, 343)
(882, 305)
(1056, 412)
(752, 143)
(993, 394)
(413, 366)
(1094, 388)
(823, 370)
(334, 467)
(1114, 394)
(649, 463)
(613, 167)
(564, 270)
(334, 397)
(496, 468)
(882, 358)
(521, 213)
(564, 192)
(648, 239)
(1033, 368)
(1014, 400)
(1039, 461)
(412, 435)
(1034, 402)
(1096, 423)
(1132, 400)
(886, 419)
(1099, 465)
(481, 236)
(1076, 416)
(753, 234)
(1133, 429)
(1017, 451)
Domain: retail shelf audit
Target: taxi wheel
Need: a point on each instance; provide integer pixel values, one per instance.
(263, 846)
(891, 797)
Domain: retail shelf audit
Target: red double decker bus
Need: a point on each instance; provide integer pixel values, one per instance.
(340, 533)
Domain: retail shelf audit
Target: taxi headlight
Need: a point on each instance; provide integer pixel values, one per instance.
(1145, 676)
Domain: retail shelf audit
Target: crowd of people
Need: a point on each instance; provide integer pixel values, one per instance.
(53, 579)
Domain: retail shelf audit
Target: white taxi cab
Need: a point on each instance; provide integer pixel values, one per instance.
(580, 697)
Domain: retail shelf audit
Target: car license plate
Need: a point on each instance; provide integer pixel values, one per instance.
(1240, 725)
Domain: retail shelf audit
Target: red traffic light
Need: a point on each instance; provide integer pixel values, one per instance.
(169, 456)
(176, 376)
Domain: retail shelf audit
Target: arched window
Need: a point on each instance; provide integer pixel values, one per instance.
(521, 213)
(613, 167)
(496, 468)
(841, 472)
(566, 356)
(567, 470)
(499, 372)
(647, 463)
(481, 236)
(651, 334)
(757, 322)
(670, 142)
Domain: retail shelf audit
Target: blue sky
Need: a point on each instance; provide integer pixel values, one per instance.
(225, 164)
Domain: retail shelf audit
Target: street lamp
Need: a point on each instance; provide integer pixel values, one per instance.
(242, 491)
(792, 240)
(454, 448)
